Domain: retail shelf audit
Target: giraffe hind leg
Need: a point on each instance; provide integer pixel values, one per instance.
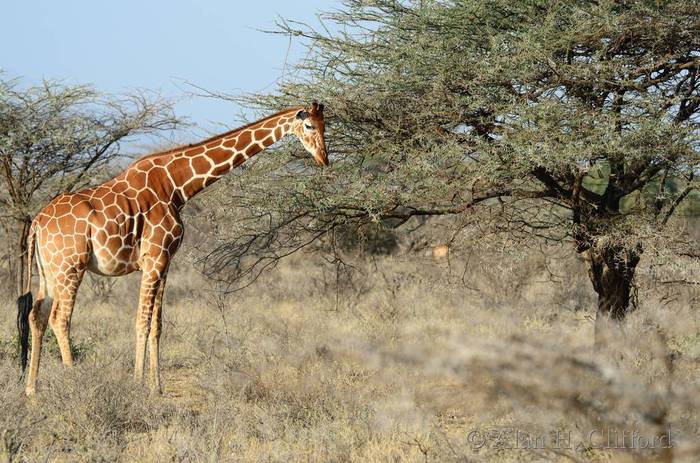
(38, 321)
(154, 338)
(150, 282)
(65, 292)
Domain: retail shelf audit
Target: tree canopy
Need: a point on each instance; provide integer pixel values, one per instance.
(576, 121)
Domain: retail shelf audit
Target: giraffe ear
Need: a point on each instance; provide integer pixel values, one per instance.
(316, 108)
(302, 114)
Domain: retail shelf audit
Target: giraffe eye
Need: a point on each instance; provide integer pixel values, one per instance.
(308, 127)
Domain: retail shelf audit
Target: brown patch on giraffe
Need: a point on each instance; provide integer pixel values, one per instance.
(147, 198)
(261, 134)
(144, 165)
(125, 204)
(136, 179)
(101, 192)
(209, 180)
(219, 170)
(156, 214)
(76, 199)
(244, 139)
(121, 218)
(99, 203)
(238, 160)
(98, 221)
(103, 253)
(218, 156)
(112, 210)
(161, 259)
(201, 165)
(132, 193)
(193, 186)
(195, 151)
(157, 236)
(252, 150)
(268, 141)
(180, 170)
(81, 226)
(50, 249)
(52, 225)
(61, 209)
(156, 176)
(160, 161)
(173, 245)
(100, 236)
(125, 253)
(278, 133)
(230, 143)
(57, 259)
(120, 187)
(113, 244)
(112, 228)
(213, 144)
(108, 200)
(160, 232)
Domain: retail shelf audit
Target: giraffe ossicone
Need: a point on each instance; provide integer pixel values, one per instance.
(132, 222)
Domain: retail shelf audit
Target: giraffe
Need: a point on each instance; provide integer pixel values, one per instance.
(132, 222)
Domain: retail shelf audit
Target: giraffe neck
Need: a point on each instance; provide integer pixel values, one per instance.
(195, 167)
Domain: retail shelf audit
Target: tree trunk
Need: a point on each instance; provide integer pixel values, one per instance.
(611, 270)
(21, 254)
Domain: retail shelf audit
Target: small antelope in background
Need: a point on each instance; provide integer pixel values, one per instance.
(441, 251)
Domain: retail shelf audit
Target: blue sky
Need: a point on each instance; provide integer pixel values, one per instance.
(157, 45)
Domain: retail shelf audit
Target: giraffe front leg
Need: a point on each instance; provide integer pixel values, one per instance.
(154, 339)
(149, 288)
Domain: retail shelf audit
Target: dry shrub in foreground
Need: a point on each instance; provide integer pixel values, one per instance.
(560, 401)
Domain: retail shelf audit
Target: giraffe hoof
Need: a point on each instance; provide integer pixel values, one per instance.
(157, 390)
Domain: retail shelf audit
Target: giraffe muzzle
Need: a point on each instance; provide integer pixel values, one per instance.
(321, 159)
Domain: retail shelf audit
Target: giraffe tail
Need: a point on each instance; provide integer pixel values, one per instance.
(24, 305)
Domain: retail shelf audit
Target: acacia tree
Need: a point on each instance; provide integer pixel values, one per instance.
(55, 138)
(576, 121)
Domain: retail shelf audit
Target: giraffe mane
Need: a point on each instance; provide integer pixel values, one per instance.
(214, 137)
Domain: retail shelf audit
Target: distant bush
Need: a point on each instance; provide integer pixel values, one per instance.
(371, 239)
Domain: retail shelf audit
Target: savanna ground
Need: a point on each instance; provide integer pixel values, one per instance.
(475, 357)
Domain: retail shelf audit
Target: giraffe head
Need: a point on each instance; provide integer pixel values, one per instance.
(309, 128)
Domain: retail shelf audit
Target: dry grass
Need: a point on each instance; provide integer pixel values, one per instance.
(405, 364)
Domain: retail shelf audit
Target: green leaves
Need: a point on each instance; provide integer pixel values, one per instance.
(431, 104)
